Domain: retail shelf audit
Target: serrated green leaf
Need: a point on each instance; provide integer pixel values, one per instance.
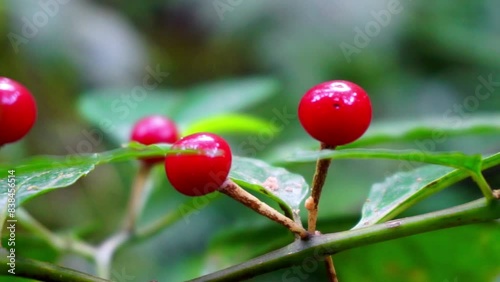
(40, 175)
(399, 191)
(452, 159)
(404, 189)
(231, 123)
(37, 176)
(130, 151)
(285, 188)
(34, 183)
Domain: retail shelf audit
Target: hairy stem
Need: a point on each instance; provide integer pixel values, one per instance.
(319, 246)
(319, 179)
(43, 271)
(236, 192)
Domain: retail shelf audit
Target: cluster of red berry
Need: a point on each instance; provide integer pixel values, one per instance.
(334, 113)
(193, 174)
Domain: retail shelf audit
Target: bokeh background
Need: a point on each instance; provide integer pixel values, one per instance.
(416, 59)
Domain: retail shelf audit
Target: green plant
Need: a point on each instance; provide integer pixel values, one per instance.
(268, 187)
(17, 111)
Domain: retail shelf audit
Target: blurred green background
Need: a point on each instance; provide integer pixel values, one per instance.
(416, 59)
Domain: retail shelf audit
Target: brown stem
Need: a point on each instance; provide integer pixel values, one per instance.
(239, 194)
(332, 275)
(312, 202)
(319, 178)
(135, 201)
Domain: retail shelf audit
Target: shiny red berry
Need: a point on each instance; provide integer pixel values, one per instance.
(154, 129)
(200, 173)
(17, 111)
(335, 112)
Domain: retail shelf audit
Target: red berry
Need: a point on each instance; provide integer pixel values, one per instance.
(17, 111)
(154, 129)
(335, 112)
(199, 173)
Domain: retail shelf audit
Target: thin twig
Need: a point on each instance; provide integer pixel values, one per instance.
(236, 192)
(106, 251)
(330, 268)
(483, 185)
(136, 200)
(312, 203)
(319, 178)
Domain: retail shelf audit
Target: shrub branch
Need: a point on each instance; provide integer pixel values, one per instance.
(319, 246)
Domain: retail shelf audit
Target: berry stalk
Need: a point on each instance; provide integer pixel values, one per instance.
(330, 268)
(239, 194)
(312, 202)
(135, 202)
(319, 179)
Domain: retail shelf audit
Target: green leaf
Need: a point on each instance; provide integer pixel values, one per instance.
(428, 132)
(223, 97)
(130, 151)
(114, 111)
(433, 129)
(37, 176)
(286, 188)
(453, 159)
(34, 183)
(404, 189)
(231, 123)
